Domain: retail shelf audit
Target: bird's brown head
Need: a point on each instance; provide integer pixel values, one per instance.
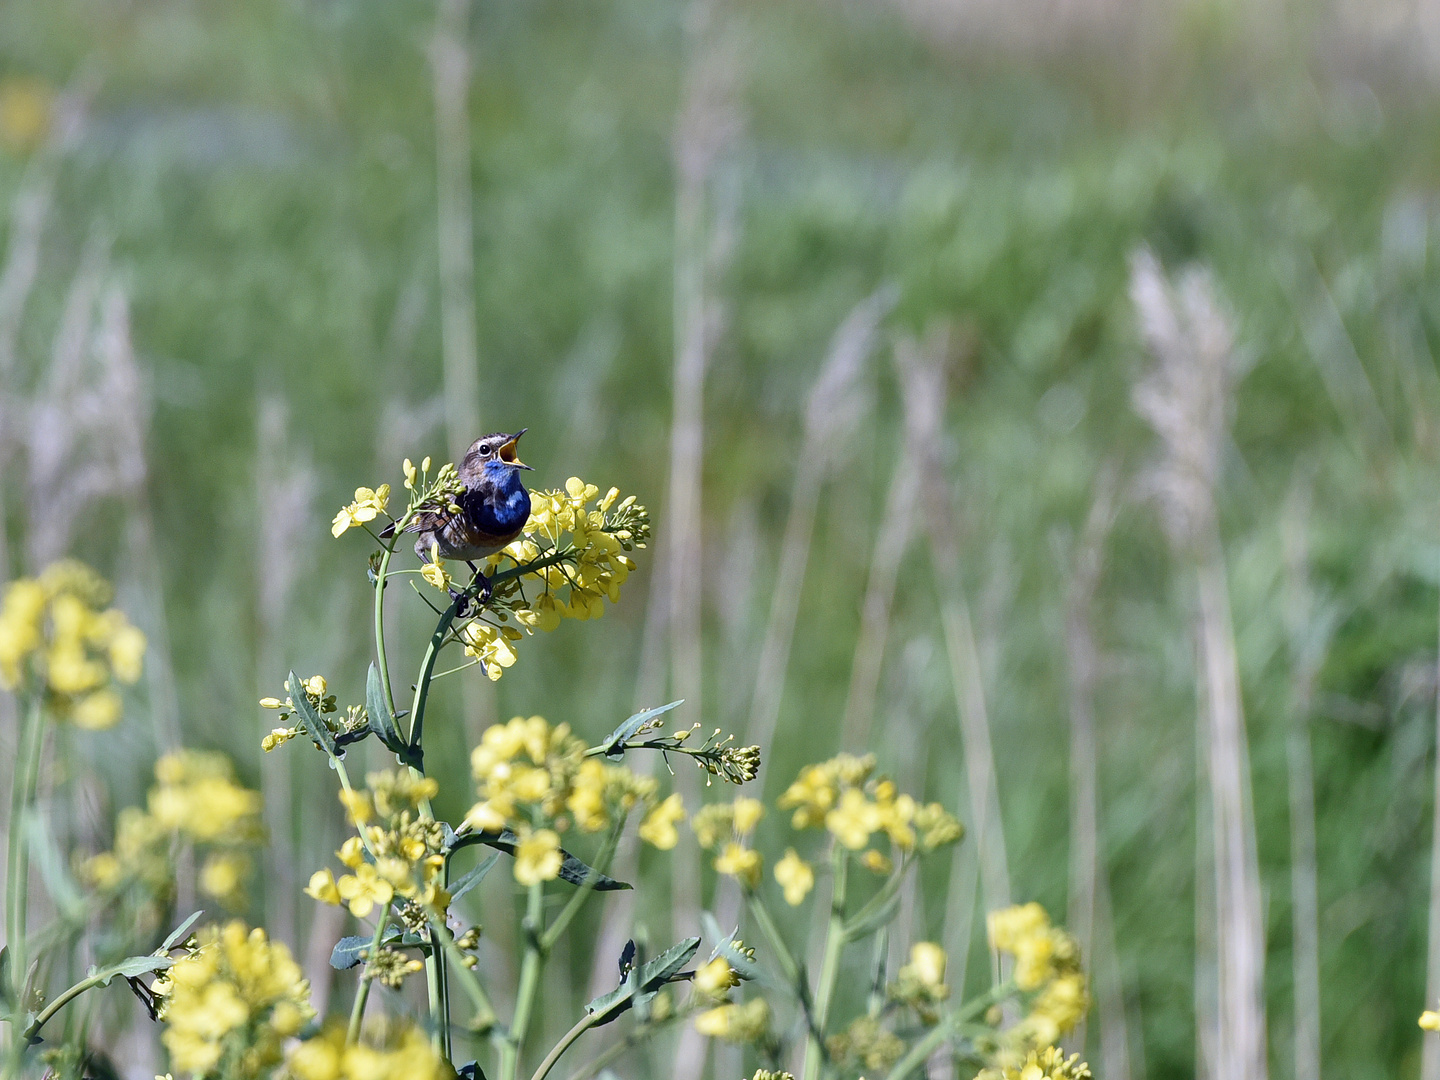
(497, 447)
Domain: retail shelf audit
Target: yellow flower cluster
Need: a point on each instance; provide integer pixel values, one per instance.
(588, 545)
(196, 799)
(840, 796)
(1430, 1020)
(1047, 965)
(404, 1055)
(740, 1023)
(795, 877)
(736, 820)
(866, 1044)
(403, 848)
(368, 505)
(58, 634)
(528, 772)
(232, 1002)
(1047, 1064)
(921, 982)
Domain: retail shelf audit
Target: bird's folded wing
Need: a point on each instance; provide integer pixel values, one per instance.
(427, 522)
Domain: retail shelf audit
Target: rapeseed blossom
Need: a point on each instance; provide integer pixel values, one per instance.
(745, 1023)
(366, 506)
(59, 637)
(405, 1055)
(866, 1044)
(1047, 1064)
(529, 773)
(1047, 966)
(840, 796)
(921, 983)
(795, 876)
(658, 829)
(399, 855)
(232, 1002)
(195, 800)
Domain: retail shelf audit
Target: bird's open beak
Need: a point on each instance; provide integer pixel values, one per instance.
(510, 456)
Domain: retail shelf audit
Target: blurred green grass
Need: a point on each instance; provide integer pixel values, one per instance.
(265, 169)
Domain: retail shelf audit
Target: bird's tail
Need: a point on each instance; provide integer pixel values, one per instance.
(387, 532)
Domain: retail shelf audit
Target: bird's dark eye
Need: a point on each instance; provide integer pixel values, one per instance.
(485, 449)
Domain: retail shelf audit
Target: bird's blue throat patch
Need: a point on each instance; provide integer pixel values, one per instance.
(506, 506)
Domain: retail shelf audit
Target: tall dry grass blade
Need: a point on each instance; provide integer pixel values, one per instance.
(1083, 664)
(1309, 629)
(285, 489)
(921, 371)
(834, 410)
(450, 63)
(1186, 398)
(707, 124)
(1430, 1057)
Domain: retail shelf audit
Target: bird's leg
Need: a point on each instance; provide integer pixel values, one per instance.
(486, 589)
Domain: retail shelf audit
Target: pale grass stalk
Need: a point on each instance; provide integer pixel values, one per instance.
(835, 409)
(285, 492)
(1122, 1045)
(1309, 629)
(1187, 399)
(922, 384)
(1430, 1055)
(1088, 877)
(707, 124)
(450, 62)
(897, 526)
(327, 923)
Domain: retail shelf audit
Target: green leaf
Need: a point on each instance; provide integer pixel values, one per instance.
(643, 982)
(309, 718)
(383, 724)
(468, 881)
(179, 933)
(132, 967)
(573, 870)
(614, 743)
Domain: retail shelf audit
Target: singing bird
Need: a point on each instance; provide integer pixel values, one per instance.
(493, 507)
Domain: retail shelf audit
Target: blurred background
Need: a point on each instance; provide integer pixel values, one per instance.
(1041, 394)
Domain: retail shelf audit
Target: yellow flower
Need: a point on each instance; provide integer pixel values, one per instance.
(537, 857)
(853, 820)
(714, 979)
(358, 807)
(366, 506)
(712, 822)
(658, 829)
(742, 863)
(485, 817)
(404, 1055)
(747, 814)
(96, 711)
(795, 876)
(322, 887)
(736, 1023)
(1047, 1064)
(434, 571)
(927, 963)
(237, 993)
(364, 889)
(278, 737)
(1430, 1020)
(222, 877)
(352, 852)
(877, 862)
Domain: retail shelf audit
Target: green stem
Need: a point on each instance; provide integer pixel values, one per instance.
(830, 965)
(469, 981)
(763, 919)
(636, 1036)
(22, 796)
(584, 1024)
(529, 982)
(581, 894)
(60, 1002)
(942, 1031)
(362, 992)
(380, 662)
